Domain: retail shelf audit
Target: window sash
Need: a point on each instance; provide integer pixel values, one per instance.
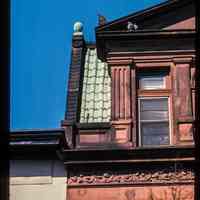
(155, 137)
(154, 116)
(154, 121)
(149, 103)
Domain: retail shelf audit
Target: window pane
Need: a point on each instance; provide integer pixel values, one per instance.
(154, 115)
(151, 83)
(158, 140)
(152, 79)
(156, 133)
(154, 104)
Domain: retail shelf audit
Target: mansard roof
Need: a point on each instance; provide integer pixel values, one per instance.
(96, 93)
(165, 26)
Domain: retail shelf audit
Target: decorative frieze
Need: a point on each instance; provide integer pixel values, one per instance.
(131, 177)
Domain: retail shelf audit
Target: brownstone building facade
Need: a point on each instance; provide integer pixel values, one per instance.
(128, 128)
(130, 111)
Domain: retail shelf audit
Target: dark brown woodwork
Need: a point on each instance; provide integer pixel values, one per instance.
(173, 101)
(144, 40)
(124, 100)
(185, 108)
(120, 77)
(67, 139)
(156, 17)
(35, 144)
(76, 69)
(75, 79)
(183, 100)
(69, 135)
(128, 86)
(193, 89)
(163, 42)
(121, 101)
(134, 106)
(117, 97)
(193, 104)
(113, 94)
(128, 155)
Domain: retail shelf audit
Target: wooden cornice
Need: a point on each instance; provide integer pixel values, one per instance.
(148, 56)
(146, 33)
(40, 135)
(144, 41)
(136, 155)
(150, 59)
(35, 144)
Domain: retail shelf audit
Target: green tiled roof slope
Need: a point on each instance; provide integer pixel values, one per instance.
(96, 93)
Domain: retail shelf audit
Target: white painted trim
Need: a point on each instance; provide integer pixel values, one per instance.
(32, 180)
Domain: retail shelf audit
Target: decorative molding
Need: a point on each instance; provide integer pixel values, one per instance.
(121, 62)
(131, 177)
(154, 55)
(152, 64)
(181, 60)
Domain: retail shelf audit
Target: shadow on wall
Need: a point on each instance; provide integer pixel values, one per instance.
(35, 171)
(25, 168)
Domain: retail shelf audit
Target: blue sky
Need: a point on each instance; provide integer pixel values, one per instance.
(41, 33)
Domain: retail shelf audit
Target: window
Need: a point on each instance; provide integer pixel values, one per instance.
(154, 121)
(153, 80)
(153, 108)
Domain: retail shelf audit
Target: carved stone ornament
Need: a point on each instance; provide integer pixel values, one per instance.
(141, 177)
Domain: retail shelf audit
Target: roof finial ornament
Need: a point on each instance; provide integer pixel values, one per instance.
(78, 28)
(131, 26)
(102, 19)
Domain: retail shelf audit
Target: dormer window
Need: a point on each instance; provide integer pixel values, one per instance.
(153, 107)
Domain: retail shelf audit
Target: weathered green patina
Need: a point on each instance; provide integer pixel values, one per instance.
(96, 93)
